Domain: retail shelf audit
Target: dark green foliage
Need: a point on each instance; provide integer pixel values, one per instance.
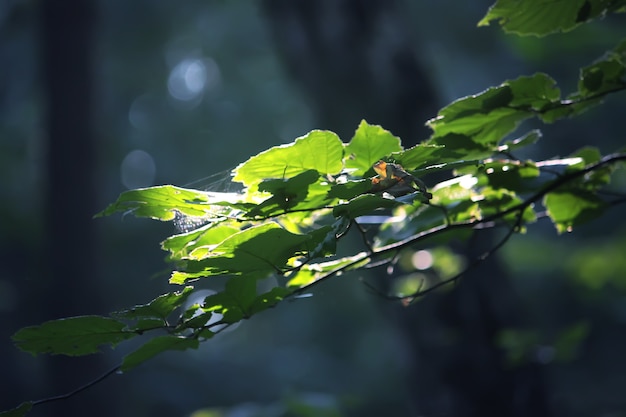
(540, 17)
(74, 336)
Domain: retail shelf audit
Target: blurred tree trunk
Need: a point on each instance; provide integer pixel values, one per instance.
(354, 60)
(68, 270)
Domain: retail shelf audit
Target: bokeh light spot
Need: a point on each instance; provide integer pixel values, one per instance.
(137, 169)
(422, 259)
(190, 78)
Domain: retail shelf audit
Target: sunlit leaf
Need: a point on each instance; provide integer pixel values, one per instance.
(309, 274)
(350, 189)
(369, 144)
(529, 138)
(493, 201)
(362, 205)
(256, 251)
(570, 208)
(448, 166)
(268, 300)
(457, 147)
(323, 241)
(478, 122)
(181, 245)
(605, 75)
(508, 174)
(159, 308)
(421, 155)
(318, 150)
(74, 336)
(595, 179)
(235, 302)
(162, 202)
(286, 193)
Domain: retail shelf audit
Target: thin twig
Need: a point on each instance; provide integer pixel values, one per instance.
(437, 230)
(568, 103)
(454, 278)
(80, 389)
(363, 234)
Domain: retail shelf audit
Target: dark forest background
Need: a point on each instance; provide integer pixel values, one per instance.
(97, 97)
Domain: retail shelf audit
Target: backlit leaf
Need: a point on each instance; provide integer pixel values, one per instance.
(362, 205)
(318, 150)
(159, 308)
(568, 209)
(369, 144)
(486, 118)
(256, 251)
(162, 202)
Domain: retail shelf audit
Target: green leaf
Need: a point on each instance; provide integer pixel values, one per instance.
(74, 336)
(323, 241)
(529, 138)
(362, 205)
(570, 208)
(256, 251)
(493, 201)
(482, 120)
(540, 17)
(448, 166)
(18, 411)
(159, 308)
(235, 302)
(181, 245)
(318, 150)
(476, 117)
(223, 303)
(456, 147)
(606, 74)
(155, 346)
(286, 193)
(597, 178)
(162, 203)
(350, 189)
(268, 299)
(242, 291)
(309, 274)
(510, 175)
(369, 144)
(421, 155)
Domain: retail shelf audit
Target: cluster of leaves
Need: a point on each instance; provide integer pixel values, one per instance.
(300, 201)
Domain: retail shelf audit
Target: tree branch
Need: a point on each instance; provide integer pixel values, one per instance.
(79, 389)
(438, 230)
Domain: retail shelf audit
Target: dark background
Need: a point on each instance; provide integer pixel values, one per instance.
(97, 97)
